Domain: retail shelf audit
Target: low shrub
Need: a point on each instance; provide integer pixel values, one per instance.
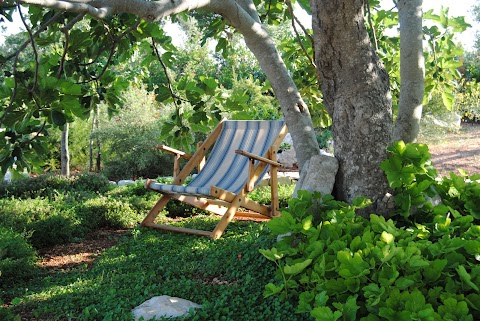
(338, 265)
(50, 185)
(18, 213)
(59, 228)
(106, 212)
(17, 257)
(32, 187)
(92, 183)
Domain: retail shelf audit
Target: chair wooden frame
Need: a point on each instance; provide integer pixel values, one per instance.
(220, 201)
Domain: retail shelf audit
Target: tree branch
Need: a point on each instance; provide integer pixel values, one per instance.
(73, 6)
(34, 48)
(112, 50)
(294, 19)
(42, 28)
(169, 81)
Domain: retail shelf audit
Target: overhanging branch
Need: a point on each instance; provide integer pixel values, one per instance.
(72, 6)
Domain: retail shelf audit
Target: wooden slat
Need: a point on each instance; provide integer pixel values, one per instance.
(174, 151)
(259, 158)
(201, 203)
(176, 166)
(251, 215)
(274, 184)
(218, 202)
(247, 203)
(179, 229)
(202, 161)
(228, 216)
(251, 175)
(150, 218)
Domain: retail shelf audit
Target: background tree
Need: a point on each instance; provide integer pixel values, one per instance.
(412, 71)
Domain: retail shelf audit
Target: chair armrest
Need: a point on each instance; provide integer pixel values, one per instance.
(174, 151)
(259, 158)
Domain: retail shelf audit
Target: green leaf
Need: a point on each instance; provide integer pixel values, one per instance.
(454, 310)
(271, 254)
(387, 238)
(305, 300)
(434, 271)
(58, 118)
(283, 224)
(373, 293)
(70, 88)
(307, 222)
(325, 314)
(163, 93)
(352, 265)
(462, 272)
(272, 289)
(447, 100)
(297, 267)
(349, 309)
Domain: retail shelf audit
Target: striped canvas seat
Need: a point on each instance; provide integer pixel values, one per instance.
(224, 168)
(241, 153)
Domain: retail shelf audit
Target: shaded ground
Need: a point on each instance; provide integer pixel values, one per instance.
(65, 257)
(458, 151)
(451, 152)
(454, 151)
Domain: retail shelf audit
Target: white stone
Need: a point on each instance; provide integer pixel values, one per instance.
(163, 306)
(283, 178)
(318, 174)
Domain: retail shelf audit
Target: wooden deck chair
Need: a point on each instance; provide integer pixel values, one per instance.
(242, 153)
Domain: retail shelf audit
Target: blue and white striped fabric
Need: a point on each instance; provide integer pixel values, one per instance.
(224, 168)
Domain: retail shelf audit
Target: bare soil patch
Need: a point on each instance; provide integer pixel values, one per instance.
(65, 257)
(457, 151)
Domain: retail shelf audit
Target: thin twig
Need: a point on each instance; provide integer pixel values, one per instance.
(64, 55)
(37, 133)
(290, 9)
(112, 49)
(34, 48)
(42, 28)
(169, 81)
(73, 22)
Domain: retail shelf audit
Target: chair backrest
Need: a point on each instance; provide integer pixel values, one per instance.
(228, 170)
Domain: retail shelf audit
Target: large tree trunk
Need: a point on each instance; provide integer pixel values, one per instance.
(356, 93)
(412, 71)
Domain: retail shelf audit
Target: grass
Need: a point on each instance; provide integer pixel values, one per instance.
(227, 277)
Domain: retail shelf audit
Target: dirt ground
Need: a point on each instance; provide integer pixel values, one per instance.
(457, 151)
(454, 151)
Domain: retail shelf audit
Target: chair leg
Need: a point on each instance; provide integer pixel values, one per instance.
(228, 216)
(150, 218)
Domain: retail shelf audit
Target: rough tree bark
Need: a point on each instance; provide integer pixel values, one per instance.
(412, 71)
(356, 93)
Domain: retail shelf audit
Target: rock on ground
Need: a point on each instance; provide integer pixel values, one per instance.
(318, 174)
(163, 306)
